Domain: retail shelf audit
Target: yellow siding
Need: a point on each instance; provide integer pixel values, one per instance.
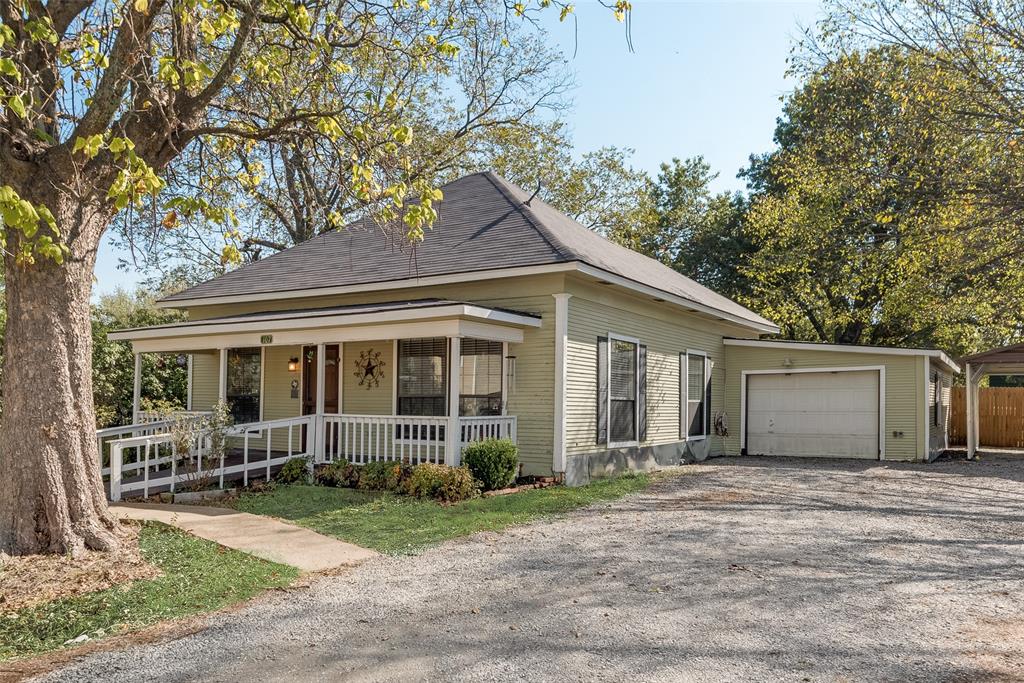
(937, 441)
(904, 399)
(532, 397)
(596, 311)
(205, 379)
(365, 400)
(277, 401)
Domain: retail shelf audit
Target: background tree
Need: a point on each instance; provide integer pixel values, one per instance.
(100, 100)
(164, 378)
(868, 228)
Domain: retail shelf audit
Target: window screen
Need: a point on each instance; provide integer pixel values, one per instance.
(480, 393)
(696, 395)
(622, 390)
(422, 373)
(243, 386)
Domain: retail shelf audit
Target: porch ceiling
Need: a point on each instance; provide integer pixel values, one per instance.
(393, 320)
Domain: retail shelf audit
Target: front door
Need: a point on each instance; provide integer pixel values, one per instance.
(331, 370)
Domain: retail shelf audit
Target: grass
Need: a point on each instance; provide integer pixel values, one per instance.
(400, 525)
(198, 576)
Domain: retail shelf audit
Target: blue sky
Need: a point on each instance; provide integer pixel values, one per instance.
(704, 78)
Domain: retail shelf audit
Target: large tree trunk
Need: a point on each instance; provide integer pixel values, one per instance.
(51, 494)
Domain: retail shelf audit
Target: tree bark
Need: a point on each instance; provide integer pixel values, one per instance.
(51, 494)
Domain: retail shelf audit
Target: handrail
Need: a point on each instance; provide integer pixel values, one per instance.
(321, 437)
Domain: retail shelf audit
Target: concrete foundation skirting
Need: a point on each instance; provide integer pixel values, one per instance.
(581, 469)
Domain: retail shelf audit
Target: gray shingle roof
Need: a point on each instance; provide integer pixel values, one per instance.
(483, 224)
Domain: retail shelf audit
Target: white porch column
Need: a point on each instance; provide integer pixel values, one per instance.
(561, 339)
(222, 381)
(971, 427)
(321, 380)
(137, 389)
(453, 433)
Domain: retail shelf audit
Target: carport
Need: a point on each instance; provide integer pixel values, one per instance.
(1008, 360)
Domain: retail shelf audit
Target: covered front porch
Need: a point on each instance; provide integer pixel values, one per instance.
(414, 381)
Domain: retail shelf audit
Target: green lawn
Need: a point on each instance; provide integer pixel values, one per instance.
(399, 524)
(198, 576)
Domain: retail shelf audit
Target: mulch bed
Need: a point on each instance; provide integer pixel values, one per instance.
(34, 579)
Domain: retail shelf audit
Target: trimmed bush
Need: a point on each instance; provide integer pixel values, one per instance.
(442, 483)
(494, 462)
(385, 475)
(294, 471)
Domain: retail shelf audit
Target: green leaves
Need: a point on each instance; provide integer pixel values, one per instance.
(89, 146)
(9, 68)
(23, 217)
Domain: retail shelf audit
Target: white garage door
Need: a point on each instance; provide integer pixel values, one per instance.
(825, 414)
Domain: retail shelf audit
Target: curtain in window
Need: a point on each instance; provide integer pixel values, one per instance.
(696, 395)
(243, 386)
(480, 393)
(623, 391)
(422, 376)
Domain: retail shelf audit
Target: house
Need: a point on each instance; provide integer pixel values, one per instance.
(594, 358)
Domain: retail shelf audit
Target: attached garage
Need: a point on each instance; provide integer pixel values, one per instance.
(833, 414)
(835, 401)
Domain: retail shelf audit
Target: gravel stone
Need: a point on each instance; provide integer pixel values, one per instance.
(741, 569)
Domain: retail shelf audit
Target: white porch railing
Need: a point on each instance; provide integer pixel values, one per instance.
(142, 457)
(148, 416)
(488, 427)
(277, 441)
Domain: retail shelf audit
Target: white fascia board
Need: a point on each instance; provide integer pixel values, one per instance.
(841, 348)
(331, 335)
(675, 299)
(284, 322)
(406, 283)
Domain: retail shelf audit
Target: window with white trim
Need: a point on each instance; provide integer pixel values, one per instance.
(480, 393)
(698, 395)
(243, 385)
(936, 400)
(622, 391)
(422, 376)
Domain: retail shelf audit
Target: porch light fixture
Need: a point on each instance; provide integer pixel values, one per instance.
(293, 365)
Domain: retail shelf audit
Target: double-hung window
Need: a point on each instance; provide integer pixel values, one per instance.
(696, 395)
(243, 384)
(622, 391)
(481, 363)
(422, 376)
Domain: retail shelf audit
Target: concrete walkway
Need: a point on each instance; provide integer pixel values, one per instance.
(263, 537)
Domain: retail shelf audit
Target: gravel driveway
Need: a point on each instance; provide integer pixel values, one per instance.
(742, 569)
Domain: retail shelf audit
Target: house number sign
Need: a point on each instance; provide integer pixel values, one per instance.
(267, 339)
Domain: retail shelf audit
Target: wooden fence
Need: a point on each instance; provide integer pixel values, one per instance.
(1000, 417)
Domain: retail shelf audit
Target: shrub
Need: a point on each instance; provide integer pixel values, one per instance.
(385, 475)
(494, 462)
(442, 483)
(294, 471)
(342, 474)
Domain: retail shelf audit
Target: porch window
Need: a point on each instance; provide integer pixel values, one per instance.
(243, 385)
(698, 394)
(422, 376)
(623, 391)
(480, 393)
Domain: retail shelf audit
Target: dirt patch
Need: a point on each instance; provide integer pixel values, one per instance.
(31, 580)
